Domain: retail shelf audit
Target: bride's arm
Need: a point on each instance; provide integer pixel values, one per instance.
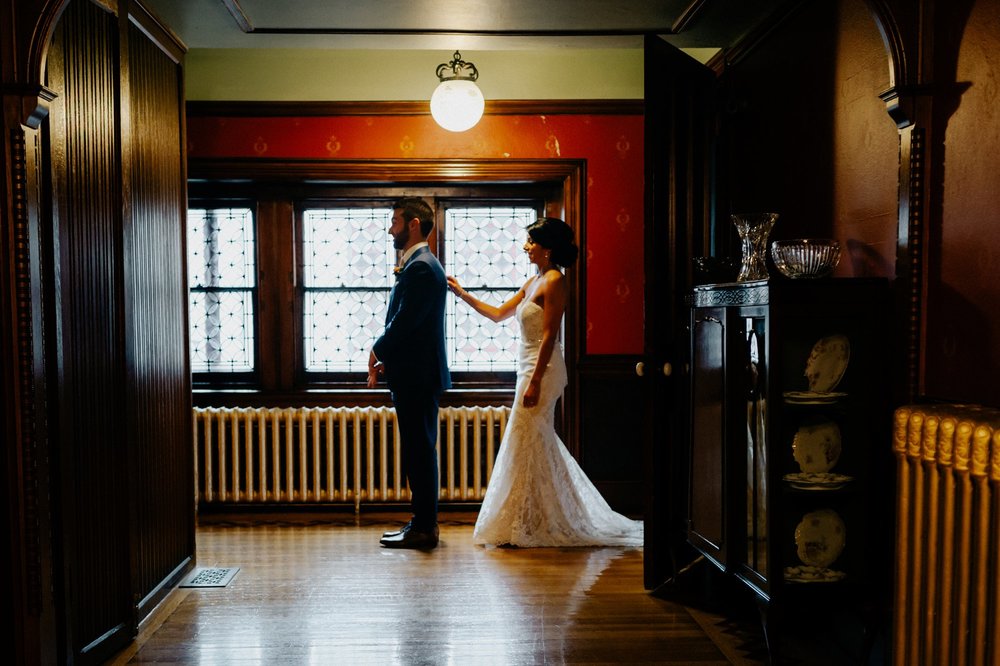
(553, 291)
(491, 312)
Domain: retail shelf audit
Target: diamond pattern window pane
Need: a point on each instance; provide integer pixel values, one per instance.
(221, 326)
(485, 251)
(341, 327)
(347, 260)
(221, 248)
(347, 247)
(222, 283)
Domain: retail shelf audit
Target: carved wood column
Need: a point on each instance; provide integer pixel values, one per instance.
(26, 480)
(921, 42)
(26, 540)
(909, 103)
(911, 110)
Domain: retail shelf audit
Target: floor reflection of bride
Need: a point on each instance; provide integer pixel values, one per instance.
(562, 588)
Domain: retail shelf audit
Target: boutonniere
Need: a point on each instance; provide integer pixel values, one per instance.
(396, 270)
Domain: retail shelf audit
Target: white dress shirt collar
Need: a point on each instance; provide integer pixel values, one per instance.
(409, 253)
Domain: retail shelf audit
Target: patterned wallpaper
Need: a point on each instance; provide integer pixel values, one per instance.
(611, 144)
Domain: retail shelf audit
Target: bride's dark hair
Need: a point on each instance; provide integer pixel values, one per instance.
(555, 235)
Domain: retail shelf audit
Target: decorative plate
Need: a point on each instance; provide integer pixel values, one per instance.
(827, 362)
(817, 480)
(816, 448)
(812, 397)
(820, 538)
(807, 574)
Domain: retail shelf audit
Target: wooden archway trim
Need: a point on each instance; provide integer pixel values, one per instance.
(25, 94)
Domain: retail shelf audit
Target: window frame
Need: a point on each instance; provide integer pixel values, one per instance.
(223, 378)
(272, 182)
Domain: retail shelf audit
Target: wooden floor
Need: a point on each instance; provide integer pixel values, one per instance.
(323, 591)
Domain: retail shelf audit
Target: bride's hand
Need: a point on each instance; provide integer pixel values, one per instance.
(455, 287)
(530, 398)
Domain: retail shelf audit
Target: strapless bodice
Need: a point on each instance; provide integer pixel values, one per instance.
(531, 319)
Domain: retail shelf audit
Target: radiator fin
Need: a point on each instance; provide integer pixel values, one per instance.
(947, 587)
(334, 455)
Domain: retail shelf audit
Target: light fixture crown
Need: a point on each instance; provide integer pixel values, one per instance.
(457, 103)
(460, 70)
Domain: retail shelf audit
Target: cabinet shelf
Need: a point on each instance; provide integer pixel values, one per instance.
(789, 489)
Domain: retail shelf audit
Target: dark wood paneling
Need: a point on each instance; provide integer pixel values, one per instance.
(610, 429)
(84, 70)
(116, 333)
(706, 511)
(156, 337)
(26, 495)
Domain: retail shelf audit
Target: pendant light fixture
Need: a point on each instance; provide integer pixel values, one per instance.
(457, 103)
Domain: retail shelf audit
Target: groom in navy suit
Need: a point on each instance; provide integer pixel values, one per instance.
(411, 353)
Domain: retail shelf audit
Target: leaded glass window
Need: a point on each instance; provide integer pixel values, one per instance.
(222, 289)
(328, 273)
(484, 250)
(347, 260)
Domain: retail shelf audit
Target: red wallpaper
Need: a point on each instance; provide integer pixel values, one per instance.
(611, 144)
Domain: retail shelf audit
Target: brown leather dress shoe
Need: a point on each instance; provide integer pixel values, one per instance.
(411, 538)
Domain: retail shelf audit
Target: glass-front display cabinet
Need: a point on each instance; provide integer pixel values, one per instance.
(790, 458)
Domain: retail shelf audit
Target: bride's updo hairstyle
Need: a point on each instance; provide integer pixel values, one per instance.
(555, 235)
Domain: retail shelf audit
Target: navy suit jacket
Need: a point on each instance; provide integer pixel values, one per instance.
(412, 347)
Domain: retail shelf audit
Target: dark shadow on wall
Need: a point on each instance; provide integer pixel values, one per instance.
(958, 363)
(963, 361)
(776, 144)
(865, 261)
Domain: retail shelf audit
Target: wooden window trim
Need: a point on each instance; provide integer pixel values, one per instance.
(279, 384)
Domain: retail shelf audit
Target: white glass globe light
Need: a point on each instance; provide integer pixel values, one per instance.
(457, 105)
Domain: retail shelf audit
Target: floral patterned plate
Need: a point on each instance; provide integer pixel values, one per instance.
(808, 574)
(817, 480)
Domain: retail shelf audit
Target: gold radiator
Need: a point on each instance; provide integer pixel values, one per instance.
(334, 455)
(947, 587)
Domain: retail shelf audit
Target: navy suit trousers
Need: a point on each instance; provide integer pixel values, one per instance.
(417, 416)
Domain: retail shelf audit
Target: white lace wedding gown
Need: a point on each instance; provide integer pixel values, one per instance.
(538, 495)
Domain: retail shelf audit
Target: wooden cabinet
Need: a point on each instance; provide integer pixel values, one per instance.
(790, 458)
(707, 519)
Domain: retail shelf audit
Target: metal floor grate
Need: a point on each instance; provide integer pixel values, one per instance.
(210, 577)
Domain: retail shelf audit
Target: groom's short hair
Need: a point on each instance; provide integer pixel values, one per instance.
(415, 207)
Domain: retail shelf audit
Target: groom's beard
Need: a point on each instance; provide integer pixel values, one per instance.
(400, 240)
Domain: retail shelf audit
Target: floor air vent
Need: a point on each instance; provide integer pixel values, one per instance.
(211, 577)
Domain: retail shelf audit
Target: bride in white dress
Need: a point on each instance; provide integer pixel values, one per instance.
(538, 495)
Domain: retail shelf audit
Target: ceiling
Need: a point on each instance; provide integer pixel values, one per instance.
(463, 24)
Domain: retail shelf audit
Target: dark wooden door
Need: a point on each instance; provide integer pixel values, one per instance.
(679, 143)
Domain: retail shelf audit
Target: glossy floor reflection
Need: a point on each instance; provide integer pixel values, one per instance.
(326, 593)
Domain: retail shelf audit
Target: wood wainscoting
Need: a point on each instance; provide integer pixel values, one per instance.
(610, 429)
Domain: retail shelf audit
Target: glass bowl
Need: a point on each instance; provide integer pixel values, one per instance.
(805, 257)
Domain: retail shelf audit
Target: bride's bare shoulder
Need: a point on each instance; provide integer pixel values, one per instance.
(554, 279)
